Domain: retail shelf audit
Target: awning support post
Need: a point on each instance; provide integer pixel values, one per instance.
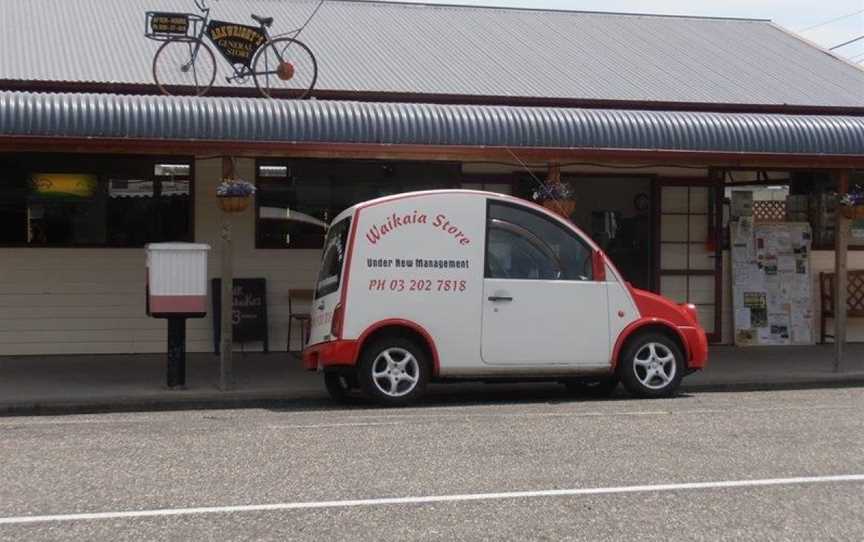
(226, 373)
(554, 176)
(841, 278)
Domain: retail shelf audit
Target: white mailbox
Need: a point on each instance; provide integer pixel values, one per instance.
(177, 280)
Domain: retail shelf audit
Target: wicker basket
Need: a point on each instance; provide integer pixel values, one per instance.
(234, 204)
(563, 207)
(853, 213)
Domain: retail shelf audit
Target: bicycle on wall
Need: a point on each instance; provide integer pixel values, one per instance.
(280, 65)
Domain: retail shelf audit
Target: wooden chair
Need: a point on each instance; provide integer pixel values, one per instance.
(301, 315)
(854, 298)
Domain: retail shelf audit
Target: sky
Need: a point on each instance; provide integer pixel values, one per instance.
(794, 15)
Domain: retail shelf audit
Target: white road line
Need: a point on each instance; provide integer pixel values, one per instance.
(411, 419)
(337, 425)
(17, 520)
(438, 415)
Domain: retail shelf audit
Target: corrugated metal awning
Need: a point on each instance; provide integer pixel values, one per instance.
(445, 50)
(250, 120)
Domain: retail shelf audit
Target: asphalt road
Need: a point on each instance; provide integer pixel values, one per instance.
(581, 470)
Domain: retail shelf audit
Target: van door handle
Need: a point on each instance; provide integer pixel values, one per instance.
(321, 307)
(500, 298)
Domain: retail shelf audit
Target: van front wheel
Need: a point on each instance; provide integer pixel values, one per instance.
(394, 371)
(651, 365)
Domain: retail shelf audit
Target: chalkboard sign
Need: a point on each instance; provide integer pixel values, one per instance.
(250, 312)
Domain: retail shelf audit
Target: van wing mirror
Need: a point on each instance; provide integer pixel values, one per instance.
(599, 265)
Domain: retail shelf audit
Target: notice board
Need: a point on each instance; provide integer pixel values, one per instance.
(249, 317)
(771, 288)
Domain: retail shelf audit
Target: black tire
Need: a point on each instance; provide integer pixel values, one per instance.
(376, 372)
(339, 386)
(304, 69)
(594, 388)
(655, 351)
(168, 63)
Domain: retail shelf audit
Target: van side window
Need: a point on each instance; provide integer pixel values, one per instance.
(333, 258)
(522, 244)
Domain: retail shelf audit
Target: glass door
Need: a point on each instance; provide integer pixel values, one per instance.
(690, 258)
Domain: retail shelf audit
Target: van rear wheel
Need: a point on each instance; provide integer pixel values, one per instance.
(393, 371)
(339, 385)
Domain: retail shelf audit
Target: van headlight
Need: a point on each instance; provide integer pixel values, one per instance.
(690, 309)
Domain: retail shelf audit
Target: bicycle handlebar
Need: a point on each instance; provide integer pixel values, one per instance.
(202, 5)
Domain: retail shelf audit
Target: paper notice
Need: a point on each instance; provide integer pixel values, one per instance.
(783, 241)
(742, 318)
(802, 334)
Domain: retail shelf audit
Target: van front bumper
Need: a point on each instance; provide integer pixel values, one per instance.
(697, 344)
(321, 355)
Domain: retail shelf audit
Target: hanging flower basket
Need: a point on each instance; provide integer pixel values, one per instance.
(234, 204)
(563, 207)
(853, 212)
(234, 195)
(557, 197)
(852, 205)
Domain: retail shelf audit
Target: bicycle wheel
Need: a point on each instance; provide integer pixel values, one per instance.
(285, 68)
(184, 64)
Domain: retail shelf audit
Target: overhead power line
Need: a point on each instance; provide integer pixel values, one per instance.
(845, 43)
(835, 19)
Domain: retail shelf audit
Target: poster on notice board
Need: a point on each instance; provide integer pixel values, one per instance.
(771, 289)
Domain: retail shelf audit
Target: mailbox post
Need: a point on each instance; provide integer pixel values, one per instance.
(176, 290)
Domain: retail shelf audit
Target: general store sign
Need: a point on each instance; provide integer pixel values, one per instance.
(237, 42)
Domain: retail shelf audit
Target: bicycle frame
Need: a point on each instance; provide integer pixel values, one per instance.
(237, 43)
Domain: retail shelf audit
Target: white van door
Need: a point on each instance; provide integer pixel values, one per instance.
(541, 304)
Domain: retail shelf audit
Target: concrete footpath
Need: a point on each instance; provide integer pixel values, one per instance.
(97, 383)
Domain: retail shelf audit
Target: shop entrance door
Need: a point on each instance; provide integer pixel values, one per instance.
(688, 217)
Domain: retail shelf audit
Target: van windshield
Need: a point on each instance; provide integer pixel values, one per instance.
(334, 255)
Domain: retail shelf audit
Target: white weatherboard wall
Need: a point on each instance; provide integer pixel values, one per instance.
(77, 301)
(283, 269)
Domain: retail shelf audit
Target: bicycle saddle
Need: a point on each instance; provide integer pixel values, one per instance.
(263, 21)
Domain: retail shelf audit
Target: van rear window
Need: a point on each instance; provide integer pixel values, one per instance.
(334, 256)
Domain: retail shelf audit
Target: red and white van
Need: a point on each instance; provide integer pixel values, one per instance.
(457, 284)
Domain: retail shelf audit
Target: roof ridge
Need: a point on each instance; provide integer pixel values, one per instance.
(429, 4)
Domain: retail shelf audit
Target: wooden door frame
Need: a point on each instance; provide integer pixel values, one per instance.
(714, 182)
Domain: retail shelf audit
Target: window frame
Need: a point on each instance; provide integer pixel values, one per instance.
(574, 234)
(56, 163)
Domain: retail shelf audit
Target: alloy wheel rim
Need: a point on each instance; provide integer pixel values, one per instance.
(654, 366)
(395, 372)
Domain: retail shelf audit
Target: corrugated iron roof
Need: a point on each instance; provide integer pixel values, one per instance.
(458, 50)
(258, 119)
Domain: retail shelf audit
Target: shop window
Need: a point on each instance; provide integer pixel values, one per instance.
(297, 199)
(797, 197)
(64, 201)
(525, 245)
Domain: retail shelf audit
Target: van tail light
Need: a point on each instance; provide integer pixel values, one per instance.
(599, 266)
(336, 323)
